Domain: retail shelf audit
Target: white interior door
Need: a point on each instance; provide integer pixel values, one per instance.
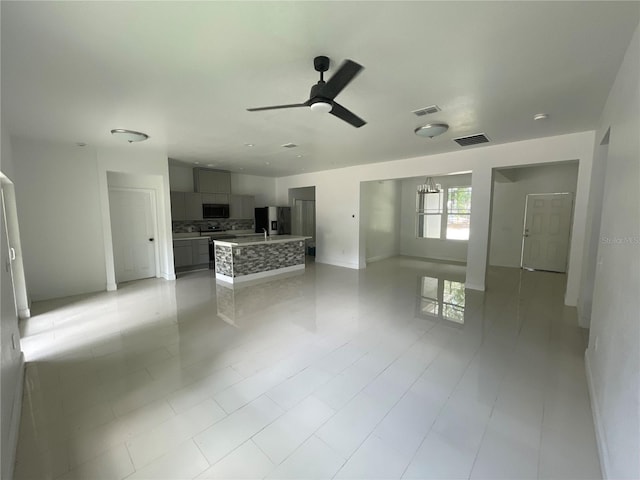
(547, 228)
(133, 233)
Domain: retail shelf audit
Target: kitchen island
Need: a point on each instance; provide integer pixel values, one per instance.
(243, 259)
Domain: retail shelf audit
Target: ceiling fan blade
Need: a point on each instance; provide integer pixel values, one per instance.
(347, 72)
(344, 114)
(276, 107)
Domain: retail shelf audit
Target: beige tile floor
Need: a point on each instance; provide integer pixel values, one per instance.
(390, 372)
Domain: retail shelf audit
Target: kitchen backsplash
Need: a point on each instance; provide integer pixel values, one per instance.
(221, 224)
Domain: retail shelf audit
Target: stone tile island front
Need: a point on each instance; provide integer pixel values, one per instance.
(243, 259)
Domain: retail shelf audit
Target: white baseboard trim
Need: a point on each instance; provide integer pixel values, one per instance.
(169, 276)
(338, 263)
(112, 287)
(603, 451)
(256, 276)
(472, 286)
(16, 413)
(378, 258)
(24, 313)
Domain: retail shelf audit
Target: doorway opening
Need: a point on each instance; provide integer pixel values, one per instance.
(303, 215)
(546, 231)
(530, 221)
(134, 233)
(594, 220)
(136, 223)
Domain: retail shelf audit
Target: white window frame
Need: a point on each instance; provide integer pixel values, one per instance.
(443, 213)
(446, 214)
(422, 212)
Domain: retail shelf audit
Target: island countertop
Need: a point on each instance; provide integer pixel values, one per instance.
(236, 242)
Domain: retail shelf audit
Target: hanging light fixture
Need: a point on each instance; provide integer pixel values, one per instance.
(429, 186)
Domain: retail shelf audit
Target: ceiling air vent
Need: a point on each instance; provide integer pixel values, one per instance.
(289, 145)
(426, 110)
(471, 140)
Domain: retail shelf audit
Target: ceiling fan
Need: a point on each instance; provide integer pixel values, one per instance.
(323, 93)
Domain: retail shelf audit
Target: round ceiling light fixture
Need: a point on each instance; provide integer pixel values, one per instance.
(431, 130)
(321, 106)
(129, 135)
(541, 116)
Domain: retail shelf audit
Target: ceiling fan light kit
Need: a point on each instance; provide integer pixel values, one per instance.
(431, 130)
(323, 94)
(321, 107)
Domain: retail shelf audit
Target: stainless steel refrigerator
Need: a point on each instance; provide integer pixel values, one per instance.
(277, 220)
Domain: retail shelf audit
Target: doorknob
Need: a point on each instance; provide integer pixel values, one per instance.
(151, 239)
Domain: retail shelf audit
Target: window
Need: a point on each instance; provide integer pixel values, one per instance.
(444, 215)
(458, 213)
(429, 209)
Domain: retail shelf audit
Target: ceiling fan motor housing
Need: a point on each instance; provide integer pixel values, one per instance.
(315, 96)
(321, 63)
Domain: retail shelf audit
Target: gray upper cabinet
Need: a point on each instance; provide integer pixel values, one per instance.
(193, 206)
(219, 198)
(241, 206)
(211, 181)
(178, 211)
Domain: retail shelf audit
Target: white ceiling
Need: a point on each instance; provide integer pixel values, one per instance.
(184, 72)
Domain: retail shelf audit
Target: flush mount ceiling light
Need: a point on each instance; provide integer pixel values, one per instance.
(431, 130)
(129, 135)
(541, 116)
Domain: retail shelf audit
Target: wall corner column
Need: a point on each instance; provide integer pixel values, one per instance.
(478, 248)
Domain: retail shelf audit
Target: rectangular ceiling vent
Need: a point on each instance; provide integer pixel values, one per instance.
(289, 145)
(471, 140)
(426, 110)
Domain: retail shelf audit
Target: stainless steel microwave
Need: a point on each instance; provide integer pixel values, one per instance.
(215, 210)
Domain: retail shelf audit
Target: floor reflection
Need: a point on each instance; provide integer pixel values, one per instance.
(238, 303)
(193, 379)
(441, 298)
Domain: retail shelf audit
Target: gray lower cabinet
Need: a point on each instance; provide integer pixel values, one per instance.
(187, 253)
(200, 251)
(241, 206)
(182, 253)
